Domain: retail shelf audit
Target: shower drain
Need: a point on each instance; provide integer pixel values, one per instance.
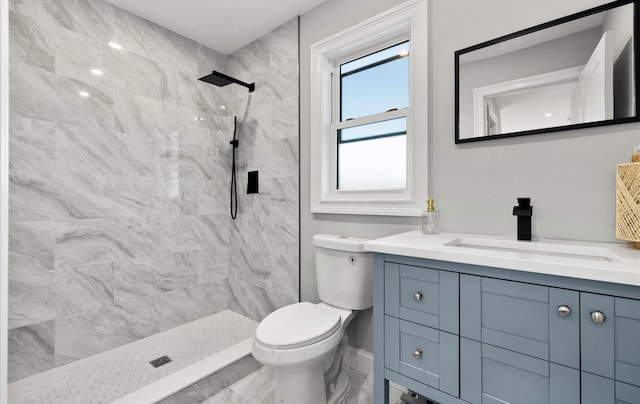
(163, 360)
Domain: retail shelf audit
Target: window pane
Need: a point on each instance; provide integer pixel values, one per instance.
(375, 164)
(375, 89)
(376, 129)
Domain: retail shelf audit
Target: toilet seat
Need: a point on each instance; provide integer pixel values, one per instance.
(297, 325)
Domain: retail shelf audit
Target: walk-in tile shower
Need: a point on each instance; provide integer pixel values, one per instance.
(119, 181)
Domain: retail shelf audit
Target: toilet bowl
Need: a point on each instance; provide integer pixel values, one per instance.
(304, 342)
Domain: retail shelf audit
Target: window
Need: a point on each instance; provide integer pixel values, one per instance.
(368, 116)
(371, 128)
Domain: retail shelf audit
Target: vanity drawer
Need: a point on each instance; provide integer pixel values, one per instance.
(534, 320)
(492, 375)
(422, 295)
(424, 354)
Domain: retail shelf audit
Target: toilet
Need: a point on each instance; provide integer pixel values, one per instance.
(305, 342)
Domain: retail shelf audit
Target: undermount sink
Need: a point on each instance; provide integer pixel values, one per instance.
(540, 248)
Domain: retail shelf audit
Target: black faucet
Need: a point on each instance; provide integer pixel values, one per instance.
(524, 211)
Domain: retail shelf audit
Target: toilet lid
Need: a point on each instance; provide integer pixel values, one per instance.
(297, 325)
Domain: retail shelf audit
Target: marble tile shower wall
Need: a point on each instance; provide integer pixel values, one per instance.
(264, 240)
(119, 224)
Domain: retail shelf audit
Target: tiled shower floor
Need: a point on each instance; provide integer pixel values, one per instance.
(110, 375)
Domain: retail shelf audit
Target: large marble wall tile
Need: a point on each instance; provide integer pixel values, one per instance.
(271, 282)
(30, 41)
(142, 116)
(278, 197)
(31, 246)
(197, 232)
(283, 54)
(93, 151)
(94, 241)
(274, 272)
(33, 144)
(251, 58)
(283, 119)
(194, 93)
(35, 93)
(139, 75)
(37, 296)
(272, 234)
(148, 276)
(210, 60)
(77, 55)
(61, 195)
(283, 166)
(183, 305)
(199, 197)
(91, 332)
(211, 264)
(31, 350)
(93, 18)
(142, 196)
(146, 38)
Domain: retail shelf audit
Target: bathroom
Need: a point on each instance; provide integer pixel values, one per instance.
(144, 163)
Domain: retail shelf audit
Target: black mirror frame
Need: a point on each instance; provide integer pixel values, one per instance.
(615, 121)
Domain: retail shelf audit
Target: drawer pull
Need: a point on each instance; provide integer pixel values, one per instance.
(417, 296)
(417, 353)
(564, 310)
(598, 317)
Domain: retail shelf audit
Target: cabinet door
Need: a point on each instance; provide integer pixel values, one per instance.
(601, 390)
(422, 295)
(611, 337)
(424, 354)
(492, 375)
(535, 320)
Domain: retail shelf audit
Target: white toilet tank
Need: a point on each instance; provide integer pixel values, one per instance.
(344, 271)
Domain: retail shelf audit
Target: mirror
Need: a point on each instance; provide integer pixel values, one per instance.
(574, 72)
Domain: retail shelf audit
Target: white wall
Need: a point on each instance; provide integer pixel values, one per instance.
(570, 176)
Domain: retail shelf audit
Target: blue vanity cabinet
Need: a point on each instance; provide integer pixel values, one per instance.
(422, 353)
(610, 344)
(421, 323)
(492, 375)
(534, 320)
(460, 333)
(422, 295)
(599, 390)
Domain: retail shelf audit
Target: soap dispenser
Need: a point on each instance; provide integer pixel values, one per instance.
(431, 219)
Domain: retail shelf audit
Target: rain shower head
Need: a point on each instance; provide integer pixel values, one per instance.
(221, 80)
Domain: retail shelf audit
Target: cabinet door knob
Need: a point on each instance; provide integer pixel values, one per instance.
(564, 310)
(598, 317)
(417, 353)
(417, 296)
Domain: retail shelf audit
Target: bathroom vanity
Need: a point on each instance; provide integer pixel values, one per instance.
(482, 319)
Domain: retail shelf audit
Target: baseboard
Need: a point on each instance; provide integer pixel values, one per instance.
(359, 359)
(362, 361)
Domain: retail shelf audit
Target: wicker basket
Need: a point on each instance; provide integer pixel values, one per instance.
(628, 202)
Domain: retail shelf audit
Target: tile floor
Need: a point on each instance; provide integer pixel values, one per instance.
(258, 388)
(110, 375)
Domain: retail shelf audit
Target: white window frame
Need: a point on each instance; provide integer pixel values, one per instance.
(407, 21)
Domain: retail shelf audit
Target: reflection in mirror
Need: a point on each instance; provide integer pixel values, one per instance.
(574, 72)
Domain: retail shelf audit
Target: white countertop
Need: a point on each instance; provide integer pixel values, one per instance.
(619, 263)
